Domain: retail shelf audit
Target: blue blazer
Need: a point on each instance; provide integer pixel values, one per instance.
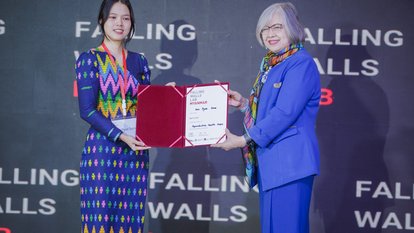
(287, 147)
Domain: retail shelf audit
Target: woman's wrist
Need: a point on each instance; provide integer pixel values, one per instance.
(243, 104)
(123, 137)
(247, 138)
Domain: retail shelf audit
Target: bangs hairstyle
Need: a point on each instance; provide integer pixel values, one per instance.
(104, 14)
(287, 10)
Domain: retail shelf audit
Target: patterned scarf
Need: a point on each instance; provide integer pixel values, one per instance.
(269, 61)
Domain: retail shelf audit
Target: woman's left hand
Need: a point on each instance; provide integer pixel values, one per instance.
(133, 143)
(233, 141)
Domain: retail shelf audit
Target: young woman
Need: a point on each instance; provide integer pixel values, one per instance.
(280, 144)
(114, 165)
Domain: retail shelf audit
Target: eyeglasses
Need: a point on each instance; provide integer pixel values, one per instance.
(274, 28)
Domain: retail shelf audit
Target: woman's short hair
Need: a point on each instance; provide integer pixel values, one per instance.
(104, 14)
(287, 10)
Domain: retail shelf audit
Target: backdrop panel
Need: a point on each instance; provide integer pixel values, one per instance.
(365, 126)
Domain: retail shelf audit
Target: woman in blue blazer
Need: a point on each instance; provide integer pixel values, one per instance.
(280, 145)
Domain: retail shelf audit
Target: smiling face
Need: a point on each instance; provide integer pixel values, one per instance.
(274, 34)
(118, 24)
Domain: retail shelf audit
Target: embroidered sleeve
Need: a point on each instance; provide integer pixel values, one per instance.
(87, 76)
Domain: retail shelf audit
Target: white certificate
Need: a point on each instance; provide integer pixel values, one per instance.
(206, 114)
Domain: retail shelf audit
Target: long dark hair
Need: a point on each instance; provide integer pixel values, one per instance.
(104, 14)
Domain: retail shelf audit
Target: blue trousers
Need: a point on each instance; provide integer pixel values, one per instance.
(285, 209)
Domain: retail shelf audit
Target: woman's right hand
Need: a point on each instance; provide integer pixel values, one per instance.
(236, 99)
(133, 143)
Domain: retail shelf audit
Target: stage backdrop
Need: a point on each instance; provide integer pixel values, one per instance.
(365, 127)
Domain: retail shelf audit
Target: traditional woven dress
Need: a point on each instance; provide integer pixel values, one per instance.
(113, 178)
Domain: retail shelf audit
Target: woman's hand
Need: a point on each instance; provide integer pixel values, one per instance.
(235, 98)
(171, 84)
(232, 142)
(133, 143)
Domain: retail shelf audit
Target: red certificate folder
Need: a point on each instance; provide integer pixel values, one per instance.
(161, 114)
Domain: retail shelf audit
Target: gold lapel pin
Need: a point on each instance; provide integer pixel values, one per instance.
(277, 85)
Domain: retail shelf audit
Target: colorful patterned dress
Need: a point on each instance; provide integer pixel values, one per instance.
(113, 178)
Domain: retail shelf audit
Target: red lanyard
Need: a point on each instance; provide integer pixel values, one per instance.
(124, 83)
